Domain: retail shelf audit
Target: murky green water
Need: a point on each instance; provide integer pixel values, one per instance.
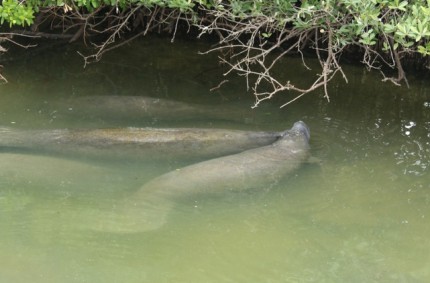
(362, 214)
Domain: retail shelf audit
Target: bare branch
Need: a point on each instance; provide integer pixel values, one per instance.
(256, 57)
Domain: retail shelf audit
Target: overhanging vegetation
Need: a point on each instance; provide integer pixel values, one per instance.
(257, 34)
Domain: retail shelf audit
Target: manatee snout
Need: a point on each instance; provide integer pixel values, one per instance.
(301, 127)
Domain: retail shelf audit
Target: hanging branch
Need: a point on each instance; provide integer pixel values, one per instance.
(256, 56)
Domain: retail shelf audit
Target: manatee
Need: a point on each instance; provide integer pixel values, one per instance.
(134, 143)
(34, 173)
(254, 168)
(117, 108)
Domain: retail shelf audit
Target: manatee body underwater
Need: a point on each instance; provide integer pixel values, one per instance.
(134, 143)
(128, 108)
(260, 167)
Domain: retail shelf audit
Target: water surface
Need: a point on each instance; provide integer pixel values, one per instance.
(359, 214)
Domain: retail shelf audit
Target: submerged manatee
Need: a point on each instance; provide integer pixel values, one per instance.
(144, 109)
(254, 168)
(33, 173)
(135, 143)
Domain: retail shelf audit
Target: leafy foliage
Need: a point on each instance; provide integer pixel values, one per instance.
(16, 13)
(384, 30)
(368, 22)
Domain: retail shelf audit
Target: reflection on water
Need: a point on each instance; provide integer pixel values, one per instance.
(358, 214)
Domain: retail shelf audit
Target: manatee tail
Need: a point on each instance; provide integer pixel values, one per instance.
(129, 217)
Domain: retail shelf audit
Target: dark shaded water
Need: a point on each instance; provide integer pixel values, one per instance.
(361, 214)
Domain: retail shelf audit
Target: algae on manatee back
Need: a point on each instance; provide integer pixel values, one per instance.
(134, 143)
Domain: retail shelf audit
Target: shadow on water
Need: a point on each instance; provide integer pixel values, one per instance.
(358, 214)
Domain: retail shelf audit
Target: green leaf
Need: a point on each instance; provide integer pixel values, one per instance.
(388, 28)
